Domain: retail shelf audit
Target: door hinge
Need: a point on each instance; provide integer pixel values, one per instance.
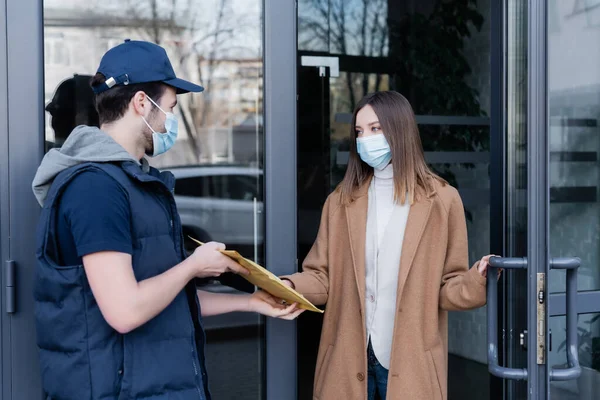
(10, 285)
(541, 318)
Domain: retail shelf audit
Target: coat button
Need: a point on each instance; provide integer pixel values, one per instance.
(360, 376)
(120, 372)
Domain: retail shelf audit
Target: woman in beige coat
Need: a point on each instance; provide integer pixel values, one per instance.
(390, 260)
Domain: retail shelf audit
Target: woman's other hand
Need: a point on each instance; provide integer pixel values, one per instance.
(263, 303)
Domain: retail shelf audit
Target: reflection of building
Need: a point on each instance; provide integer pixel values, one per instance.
(76, 38)
(227, 117)
(216, 124)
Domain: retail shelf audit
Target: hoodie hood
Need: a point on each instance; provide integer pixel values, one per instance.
(84, 144)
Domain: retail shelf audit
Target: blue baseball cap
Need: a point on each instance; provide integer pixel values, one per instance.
(140, 62)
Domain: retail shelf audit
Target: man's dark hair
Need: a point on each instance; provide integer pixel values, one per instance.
(113, 103)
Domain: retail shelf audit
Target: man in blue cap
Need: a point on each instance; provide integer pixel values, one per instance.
(118, 314)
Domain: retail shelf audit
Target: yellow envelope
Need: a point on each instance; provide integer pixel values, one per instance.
(267, 281)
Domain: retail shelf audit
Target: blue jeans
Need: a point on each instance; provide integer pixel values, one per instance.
(377, 376)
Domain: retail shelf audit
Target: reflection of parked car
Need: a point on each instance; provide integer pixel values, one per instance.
(217, 202)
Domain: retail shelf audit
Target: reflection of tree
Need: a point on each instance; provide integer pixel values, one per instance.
(431, 70)
(346, 27)
(424, 47)
(199, 34)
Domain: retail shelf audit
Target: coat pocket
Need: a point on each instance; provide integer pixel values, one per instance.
(320, 371)
(435, 373)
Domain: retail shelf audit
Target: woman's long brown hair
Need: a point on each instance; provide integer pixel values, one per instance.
(399, 126)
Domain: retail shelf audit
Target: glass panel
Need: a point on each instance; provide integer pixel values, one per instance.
(448, 75)
(514, 283)
(218, 156)
(437, 54)
(587, 386)
(574, 134)
(574, 141)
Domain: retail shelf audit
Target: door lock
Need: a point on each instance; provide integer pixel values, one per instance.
(523, 339)
(541, 319)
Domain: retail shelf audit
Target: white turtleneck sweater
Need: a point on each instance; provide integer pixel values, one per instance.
(386, 223)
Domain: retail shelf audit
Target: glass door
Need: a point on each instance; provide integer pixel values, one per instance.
(348, 48)
(550, 325)
(218, 159)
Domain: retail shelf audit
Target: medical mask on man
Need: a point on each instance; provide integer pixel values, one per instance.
(163, 141)
(374, 150)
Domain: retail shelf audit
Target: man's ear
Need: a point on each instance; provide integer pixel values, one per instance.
(139, 103)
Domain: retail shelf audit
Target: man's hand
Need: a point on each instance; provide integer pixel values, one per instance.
(208, 261)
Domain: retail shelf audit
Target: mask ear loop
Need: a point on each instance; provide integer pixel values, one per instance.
(148, 125)
(157, 106)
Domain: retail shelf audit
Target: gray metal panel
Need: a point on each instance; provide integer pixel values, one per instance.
(587, 302)
(437, 157)
(346, 118)
(5, 358)
(537, 186)
(280, 183)
(26, 128)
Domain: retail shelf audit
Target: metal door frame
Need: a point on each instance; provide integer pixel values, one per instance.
(280, 43)
(538, 188)
(5, 358)
(22, 92)
(25, 78)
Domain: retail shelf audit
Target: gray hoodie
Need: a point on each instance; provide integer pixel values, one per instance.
(84, 144)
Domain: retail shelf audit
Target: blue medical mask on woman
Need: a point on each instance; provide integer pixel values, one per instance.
(163, 141)
(374, 150)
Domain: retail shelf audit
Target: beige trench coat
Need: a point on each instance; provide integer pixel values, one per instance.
(433, 278)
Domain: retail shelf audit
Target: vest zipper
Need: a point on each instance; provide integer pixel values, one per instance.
(194, 363)
(196, 372)
(171, 222)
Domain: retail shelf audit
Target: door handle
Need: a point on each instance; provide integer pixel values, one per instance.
(492, 317)
(322, 61)
(573, 371)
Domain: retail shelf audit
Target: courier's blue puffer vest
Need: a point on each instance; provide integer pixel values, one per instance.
(81, 356)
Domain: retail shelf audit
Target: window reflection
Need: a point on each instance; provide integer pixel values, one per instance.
(218, 157)
(587, 385)
(71, 105)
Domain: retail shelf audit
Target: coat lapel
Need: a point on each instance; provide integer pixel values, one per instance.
(356, 218)
(415, 225)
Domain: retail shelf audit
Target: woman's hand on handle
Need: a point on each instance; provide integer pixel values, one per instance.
(484, 264)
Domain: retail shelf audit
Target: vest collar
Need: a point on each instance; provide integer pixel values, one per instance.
(136, 171)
